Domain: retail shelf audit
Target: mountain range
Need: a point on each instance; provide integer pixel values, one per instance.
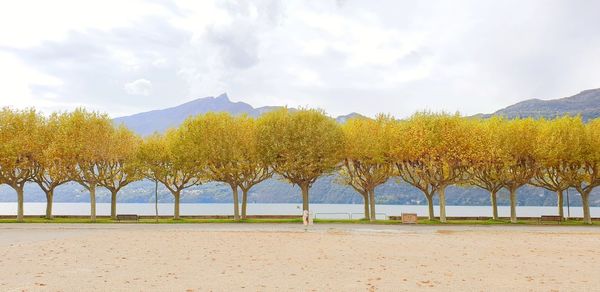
(160, 120)
(585, 103)
(327, 189)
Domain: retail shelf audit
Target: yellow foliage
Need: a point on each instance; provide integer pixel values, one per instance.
(165, 159)
(366, 154)
(300, 145)
(19, 145)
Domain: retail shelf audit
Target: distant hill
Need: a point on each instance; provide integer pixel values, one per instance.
(326, 190)
(160, 120)
(344, 118)
(586, 103)
(147, 123)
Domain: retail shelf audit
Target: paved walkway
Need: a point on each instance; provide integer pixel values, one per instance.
(27, 232)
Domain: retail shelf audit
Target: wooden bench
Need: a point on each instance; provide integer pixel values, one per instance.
(409, 218)
(550, 218)
(127, 217)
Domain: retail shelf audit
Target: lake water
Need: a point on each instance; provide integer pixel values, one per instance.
(333, 211)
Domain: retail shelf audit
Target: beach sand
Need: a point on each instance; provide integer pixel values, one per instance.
(281, 257)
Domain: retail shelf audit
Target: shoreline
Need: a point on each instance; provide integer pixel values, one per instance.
(273, 220)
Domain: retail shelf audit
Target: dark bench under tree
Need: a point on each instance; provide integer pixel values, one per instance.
(550, 218)
(127, 217)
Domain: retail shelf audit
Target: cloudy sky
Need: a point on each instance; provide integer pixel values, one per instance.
(123, 57)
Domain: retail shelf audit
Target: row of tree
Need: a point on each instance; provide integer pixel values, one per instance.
(428, 151)
(434, 151)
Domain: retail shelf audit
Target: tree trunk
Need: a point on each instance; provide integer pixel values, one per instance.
(442, 194)
(20, 199)
(585, 203)
(372, 205)
(494, 200)
(304, 188)
(561, 212)
(236, 204)
(113, 204)
(244, 202)
(430, 206)
(156, 201)
(513, 205)
(366, 201)
(176, 194)
(49, 199)
(93, 202)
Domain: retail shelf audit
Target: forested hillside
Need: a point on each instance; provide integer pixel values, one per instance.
(585, 103)
(325, 190)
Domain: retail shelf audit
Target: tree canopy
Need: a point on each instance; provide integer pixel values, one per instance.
(164, 158)
(19, 146)
(300, 145)
(430, 151)
(228, 146)
(366, 160)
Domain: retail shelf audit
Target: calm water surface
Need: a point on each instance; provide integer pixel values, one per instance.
(319, 210)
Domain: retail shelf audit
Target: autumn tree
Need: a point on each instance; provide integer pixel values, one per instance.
(83, 139)
(300, 146)
(431, 153)
(366, 162)
(51, 167)
(228, 145)
(408, 165)
(253, 170)
(19, 130)
(120, 168)
(488, 157)
(165, 159)
(587, 161)
(555, 150)
(518, 137)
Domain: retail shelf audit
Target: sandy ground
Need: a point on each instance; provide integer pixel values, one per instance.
(279, 257)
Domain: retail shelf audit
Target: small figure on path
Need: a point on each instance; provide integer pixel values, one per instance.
(305, 217)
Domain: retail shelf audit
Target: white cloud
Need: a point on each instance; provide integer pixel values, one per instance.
(17, 79)
(139, 87)
(395, 57)
(32, 21)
